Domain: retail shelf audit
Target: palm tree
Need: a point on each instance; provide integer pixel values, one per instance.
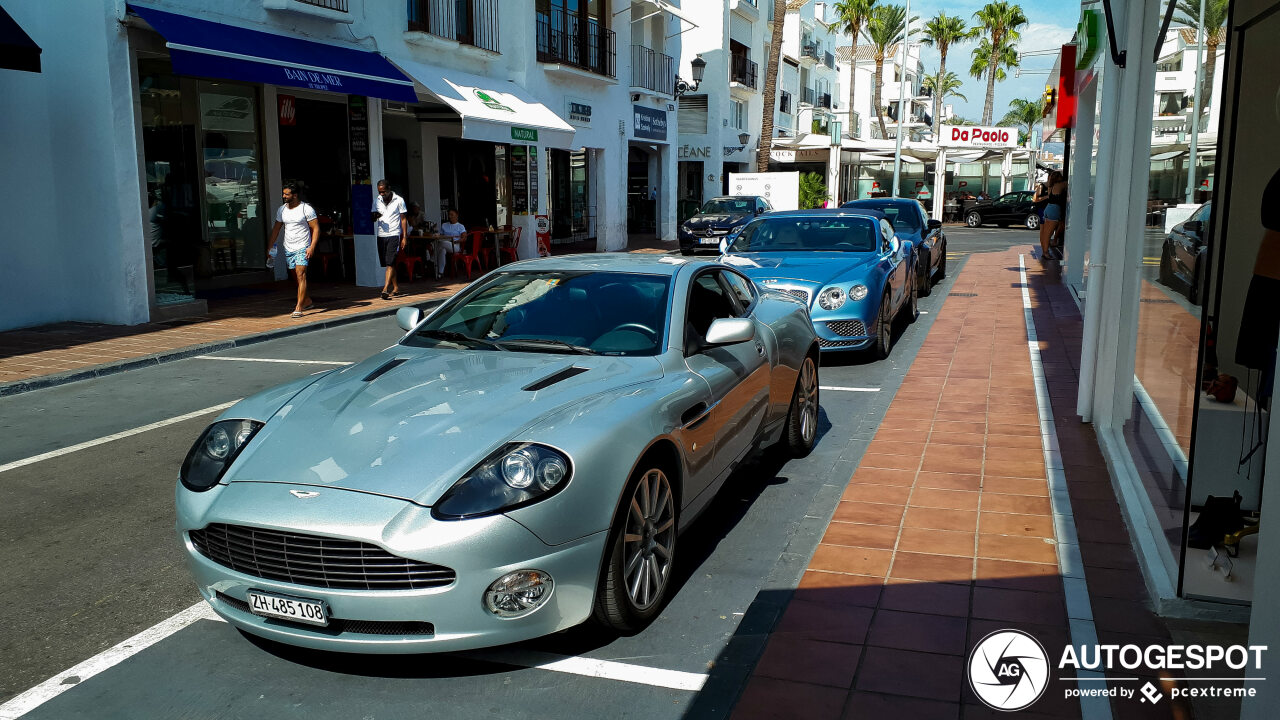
(852, 15)
(941, 32)
(886, 28)
(1215, 16)
(984, 59)
(1024, 114)
(771, 86)
(1000, 22)
(942, 87)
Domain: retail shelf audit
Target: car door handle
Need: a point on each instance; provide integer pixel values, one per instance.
(694, 416)
(760, 348)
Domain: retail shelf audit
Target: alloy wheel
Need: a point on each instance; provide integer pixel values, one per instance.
(973, 220)
(648, 540)
(808, 399)
(1033, 222)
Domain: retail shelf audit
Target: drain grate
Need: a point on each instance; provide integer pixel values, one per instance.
(960, 294)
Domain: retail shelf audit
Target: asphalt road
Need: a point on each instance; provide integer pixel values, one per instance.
(90, 558)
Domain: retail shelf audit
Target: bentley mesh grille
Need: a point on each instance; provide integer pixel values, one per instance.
(337, 626)
(822, 342)
(315, 560)
(847, 328)
(797, 293)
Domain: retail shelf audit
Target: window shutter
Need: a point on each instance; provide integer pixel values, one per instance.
(693, 115)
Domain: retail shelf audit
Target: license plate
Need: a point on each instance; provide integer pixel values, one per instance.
(286, 608)
(710, 241)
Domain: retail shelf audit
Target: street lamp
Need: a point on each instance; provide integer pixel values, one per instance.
(699, 70)
(744, 138)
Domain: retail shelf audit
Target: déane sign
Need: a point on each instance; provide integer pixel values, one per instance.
(973, 136)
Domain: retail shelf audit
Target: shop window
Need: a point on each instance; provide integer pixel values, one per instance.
(172, 177)
(236, 220)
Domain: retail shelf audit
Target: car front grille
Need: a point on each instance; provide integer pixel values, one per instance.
(797, 293)
(339, 626)
(847, 328)
(315, 560)
(822, 342)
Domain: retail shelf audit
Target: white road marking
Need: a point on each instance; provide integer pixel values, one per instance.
(589, 667)
(105, 660)
(109, 658)
(117, 436)
(847, 389)
(272, 360)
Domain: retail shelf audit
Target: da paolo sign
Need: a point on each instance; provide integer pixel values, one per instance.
(974, 136)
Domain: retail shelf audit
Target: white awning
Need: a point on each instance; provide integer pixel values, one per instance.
(662, 6)
(491, 110)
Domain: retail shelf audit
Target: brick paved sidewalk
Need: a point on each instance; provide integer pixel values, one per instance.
(945, 532)
(64, 350)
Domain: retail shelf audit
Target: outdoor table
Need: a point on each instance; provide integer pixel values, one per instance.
(497, 236)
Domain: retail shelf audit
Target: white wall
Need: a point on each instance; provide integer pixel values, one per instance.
(75, 247)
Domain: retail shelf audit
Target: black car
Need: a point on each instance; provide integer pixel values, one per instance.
(1183, 257)
(1015, 208)
(719, 217)
(914, 227)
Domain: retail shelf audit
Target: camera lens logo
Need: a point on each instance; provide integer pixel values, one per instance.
(1008, 670)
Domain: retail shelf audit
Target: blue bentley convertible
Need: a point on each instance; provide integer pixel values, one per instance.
(846, 266)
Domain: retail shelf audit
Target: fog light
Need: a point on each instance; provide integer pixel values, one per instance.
(519, 593)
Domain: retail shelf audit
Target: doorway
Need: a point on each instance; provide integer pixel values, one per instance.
(641, 195)
(314, 154)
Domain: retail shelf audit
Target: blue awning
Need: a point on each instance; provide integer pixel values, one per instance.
(202, 48)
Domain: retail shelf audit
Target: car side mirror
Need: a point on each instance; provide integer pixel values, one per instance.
(934, 224)
(408, 318)
(895, 245)
(759, 210)
(730, 331)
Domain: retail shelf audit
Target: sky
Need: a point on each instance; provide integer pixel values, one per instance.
(1052, 23)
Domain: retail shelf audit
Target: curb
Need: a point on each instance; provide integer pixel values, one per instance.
(64, 378)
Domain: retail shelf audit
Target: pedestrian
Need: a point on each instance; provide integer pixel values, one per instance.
(453, 232)
(301, 230)
(392, 225)
(1055, 211)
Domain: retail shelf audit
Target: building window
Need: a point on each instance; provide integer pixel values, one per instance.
(470, 22)
(1172, 103)
(738, 114)
(576, 32)
(784, 105)
(692, 117)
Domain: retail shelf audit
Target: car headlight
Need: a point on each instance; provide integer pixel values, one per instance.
(514, 476)
(214, 452)
(857, 292)
(832, 298)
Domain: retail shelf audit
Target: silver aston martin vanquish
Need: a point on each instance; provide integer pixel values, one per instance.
(522, 461)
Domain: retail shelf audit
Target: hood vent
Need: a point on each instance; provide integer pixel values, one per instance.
(555, 377)
(386, 368)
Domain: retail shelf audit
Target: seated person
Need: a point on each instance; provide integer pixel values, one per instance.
(453, 242)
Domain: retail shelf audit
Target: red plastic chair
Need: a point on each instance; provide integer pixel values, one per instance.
(475, 240)
(409, 263)
(510, 245)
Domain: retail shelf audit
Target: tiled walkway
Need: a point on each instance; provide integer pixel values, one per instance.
(945, 532)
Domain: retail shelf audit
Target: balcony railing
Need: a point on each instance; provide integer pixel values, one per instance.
(825, 100)
(470, 22)
(565, 38)
(652, 70)
(855, 129)
(808, 96)
(338, 5)
(829, 60)
(811, 51)
(743, 71)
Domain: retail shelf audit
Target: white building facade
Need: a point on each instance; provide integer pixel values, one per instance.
(160, 133)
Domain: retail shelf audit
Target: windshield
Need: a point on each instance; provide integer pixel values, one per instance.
(729, 206)
(608, 313)
(902, 217)
(812, 234)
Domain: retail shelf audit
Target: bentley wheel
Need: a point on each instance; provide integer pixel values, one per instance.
(973, 219)
(1166, 267)
(923, 286)
(884, 331)
(942, 263)
(638, 568)
(913, 306)
(802, 418)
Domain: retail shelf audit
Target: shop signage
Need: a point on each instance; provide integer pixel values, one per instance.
(227, 113)
(542, 224)
(1089, 35)
(972, 136)
(524, 134)
(315, 80)
(288, 110)
(802, 155)
(534, 161)
(577, 112)
(1066, 110)
(648, 123)
(519, 180)
(358, 139)
(694, 151)
(490, 101)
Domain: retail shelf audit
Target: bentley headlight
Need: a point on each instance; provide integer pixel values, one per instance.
(831, 299)
(516, 475)
(214, 452)
(857, 292)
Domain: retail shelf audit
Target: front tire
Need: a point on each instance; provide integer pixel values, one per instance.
(923, 284)
(801, 430)
(638, 568)
(942, 263)
(1166, 267)
(973, 220)
(884, 331)
(912, 307)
